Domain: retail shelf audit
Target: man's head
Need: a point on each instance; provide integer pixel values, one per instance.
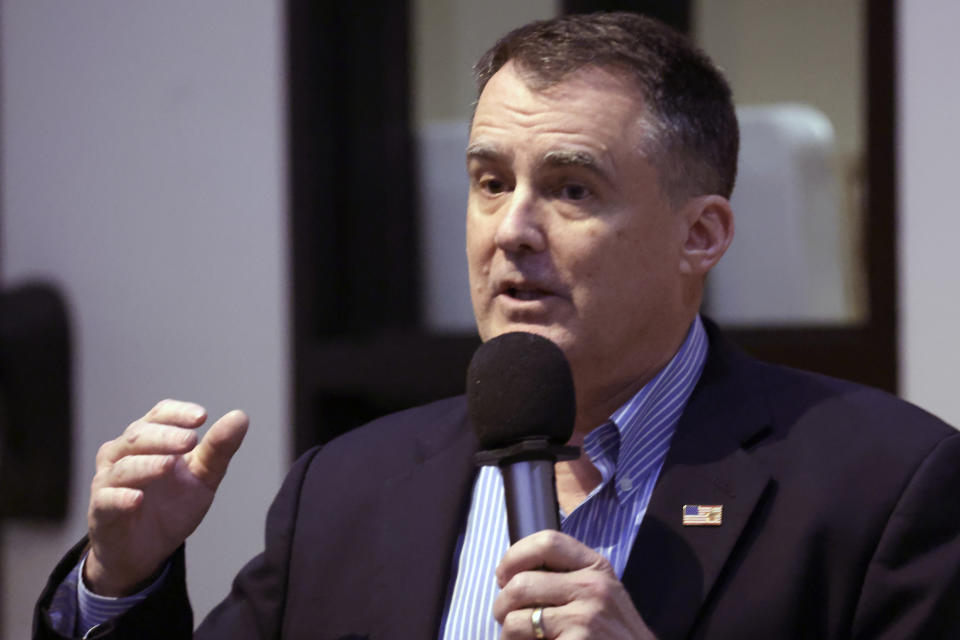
(570, 231)
(694, 127)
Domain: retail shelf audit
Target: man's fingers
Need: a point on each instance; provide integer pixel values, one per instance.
(531, 589)
(110, 503)
(147, 435)
(548, 568)
(518, 624)
(209, 460)
(547, 549)
(177, 413)
(581, 597)
(142, 438)
(134, 472)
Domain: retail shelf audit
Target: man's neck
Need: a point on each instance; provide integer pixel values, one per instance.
(575, 480)
(597, 402)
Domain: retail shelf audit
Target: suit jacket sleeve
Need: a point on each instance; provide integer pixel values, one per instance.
(254, 608)
(169, 604)
(912, 585)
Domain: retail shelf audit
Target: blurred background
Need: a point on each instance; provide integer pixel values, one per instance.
(260, 205)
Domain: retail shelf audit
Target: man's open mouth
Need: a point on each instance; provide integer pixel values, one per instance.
(526, 294)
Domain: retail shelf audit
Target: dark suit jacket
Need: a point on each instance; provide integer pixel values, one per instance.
(840, 520)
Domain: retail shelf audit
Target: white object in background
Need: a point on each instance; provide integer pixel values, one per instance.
(784, 266)
(441, 160)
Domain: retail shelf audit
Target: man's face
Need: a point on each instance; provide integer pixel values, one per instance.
(568, 233)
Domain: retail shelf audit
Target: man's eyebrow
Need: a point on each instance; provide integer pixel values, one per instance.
(480, 151)
(556, 158)
(574, 159)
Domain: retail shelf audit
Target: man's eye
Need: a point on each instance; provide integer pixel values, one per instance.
(492, 185)
(574, 191)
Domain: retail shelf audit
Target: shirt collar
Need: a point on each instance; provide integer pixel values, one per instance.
(635, 440)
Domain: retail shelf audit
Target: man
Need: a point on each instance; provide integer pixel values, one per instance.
(717, 497)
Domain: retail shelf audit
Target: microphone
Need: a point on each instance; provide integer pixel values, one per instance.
(520, 400)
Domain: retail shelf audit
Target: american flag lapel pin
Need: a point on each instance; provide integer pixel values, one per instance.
(702, 515)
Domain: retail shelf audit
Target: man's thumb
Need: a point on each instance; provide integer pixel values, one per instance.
(209, 459)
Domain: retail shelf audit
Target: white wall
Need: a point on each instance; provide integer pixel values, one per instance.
(142, 172)
(929, 136)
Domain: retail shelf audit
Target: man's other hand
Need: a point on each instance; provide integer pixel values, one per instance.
(576, 586)
(152, 488)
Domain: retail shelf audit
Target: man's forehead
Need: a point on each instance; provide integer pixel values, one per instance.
(611, 78)
(583, 121)
(588, 99)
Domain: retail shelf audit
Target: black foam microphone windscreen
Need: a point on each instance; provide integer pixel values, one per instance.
(520, 399)
(519, 386)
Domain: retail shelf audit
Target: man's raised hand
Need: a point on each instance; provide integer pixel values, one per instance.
(152, 488)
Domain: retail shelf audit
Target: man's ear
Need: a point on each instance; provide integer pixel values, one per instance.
(709, 232)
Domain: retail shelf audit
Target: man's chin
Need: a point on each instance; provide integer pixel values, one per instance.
(558, 335)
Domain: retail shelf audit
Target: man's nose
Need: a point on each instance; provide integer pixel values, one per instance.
(520, 228)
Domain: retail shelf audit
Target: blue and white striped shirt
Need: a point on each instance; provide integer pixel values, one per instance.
(628, 450)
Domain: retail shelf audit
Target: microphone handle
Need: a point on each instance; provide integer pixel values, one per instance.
(531, 494)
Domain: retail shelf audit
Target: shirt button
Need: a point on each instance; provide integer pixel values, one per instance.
(626, 484)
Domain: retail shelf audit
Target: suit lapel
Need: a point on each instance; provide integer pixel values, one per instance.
(672, 567)
(422, 511)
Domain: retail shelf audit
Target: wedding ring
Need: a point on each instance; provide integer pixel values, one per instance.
(536, 621)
